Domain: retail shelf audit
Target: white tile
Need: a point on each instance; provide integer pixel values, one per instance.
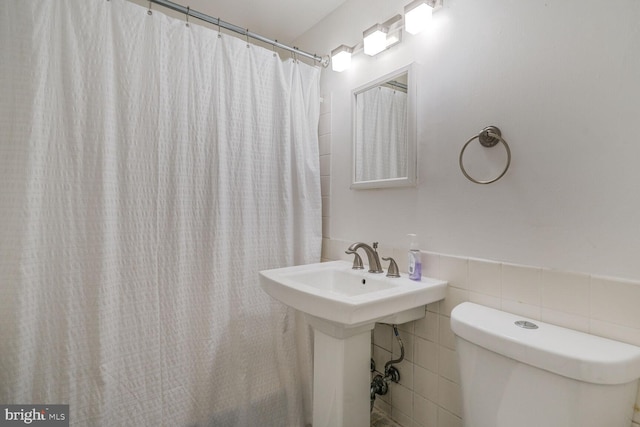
(326, 206)
(521, 283)
(450, 396)
(425, 354)
(615, 332)
(386, 399)
(434, 307)
(455, 271)
(521, 309)
(401, 399)
(386, 250)
(486, 300)
(484, 277)
(401, 258)
(382, 405)
(325, 165)
(324, 144)
(400, 417)
(571, 321)
(325, 104)
(446, 337)
(454, 296)
(324, 125)
(448, 364)
(447, 419)
(325, 186)
(328, 248)
(334, 249)
(431, 265)
(383, 335)
(615, 301)
(380, 357)
(427, 327)
(425, 412)
(566, 292)
(425, 383)
(326, 227)
(408, 327)
(324, 252)
(407, 343)
(405, 368)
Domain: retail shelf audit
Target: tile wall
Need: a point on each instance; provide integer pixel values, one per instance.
(324, 140)
(428, 394)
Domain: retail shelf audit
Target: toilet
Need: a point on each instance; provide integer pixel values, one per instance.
(518, 372)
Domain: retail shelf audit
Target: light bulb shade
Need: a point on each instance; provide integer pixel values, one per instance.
(341, 58)
(417, 16)
(375, 40)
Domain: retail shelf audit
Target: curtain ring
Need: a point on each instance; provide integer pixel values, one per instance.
(149, 12)
(274, 48)
(219, 29)
(188, 10)
(247, 35)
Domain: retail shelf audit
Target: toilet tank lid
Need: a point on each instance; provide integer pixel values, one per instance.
(559, 350)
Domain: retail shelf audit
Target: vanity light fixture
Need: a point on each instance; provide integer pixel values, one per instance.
(382, 36)
(378, 37)
(341, 58)
(375, 40)
(417, 16)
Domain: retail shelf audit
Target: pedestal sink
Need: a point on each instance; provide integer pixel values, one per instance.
(343, 305)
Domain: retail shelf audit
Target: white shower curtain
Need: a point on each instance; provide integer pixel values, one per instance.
(381, 134)
(148, 171)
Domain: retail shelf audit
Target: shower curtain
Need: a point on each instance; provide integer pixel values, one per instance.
(148, 171)
(381, 136)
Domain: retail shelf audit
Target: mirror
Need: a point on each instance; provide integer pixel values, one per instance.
(384, 131)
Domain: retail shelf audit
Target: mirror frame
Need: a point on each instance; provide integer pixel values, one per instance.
(412, 151)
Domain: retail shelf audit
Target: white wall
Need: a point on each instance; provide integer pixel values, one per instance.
(559, 77)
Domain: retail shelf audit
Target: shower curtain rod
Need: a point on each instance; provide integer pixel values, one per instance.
(324, 61)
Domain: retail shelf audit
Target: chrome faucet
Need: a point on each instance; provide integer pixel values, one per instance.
(372, 255)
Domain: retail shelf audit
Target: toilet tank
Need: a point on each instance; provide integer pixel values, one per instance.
(537, 374)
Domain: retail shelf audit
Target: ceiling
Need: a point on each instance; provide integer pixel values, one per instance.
(282, 20)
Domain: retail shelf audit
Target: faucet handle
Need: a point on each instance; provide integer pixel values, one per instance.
(375, 246)
(357, 261)
(393, 267)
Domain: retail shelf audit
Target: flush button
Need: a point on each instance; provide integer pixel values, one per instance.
(526, 324)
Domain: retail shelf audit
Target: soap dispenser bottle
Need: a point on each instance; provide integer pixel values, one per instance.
(415, 261)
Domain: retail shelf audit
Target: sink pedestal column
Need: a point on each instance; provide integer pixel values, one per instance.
(341, 374)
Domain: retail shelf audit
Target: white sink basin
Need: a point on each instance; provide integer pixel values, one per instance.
(343, 305)
(333, 291)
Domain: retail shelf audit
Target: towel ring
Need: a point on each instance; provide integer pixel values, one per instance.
(488, 137)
